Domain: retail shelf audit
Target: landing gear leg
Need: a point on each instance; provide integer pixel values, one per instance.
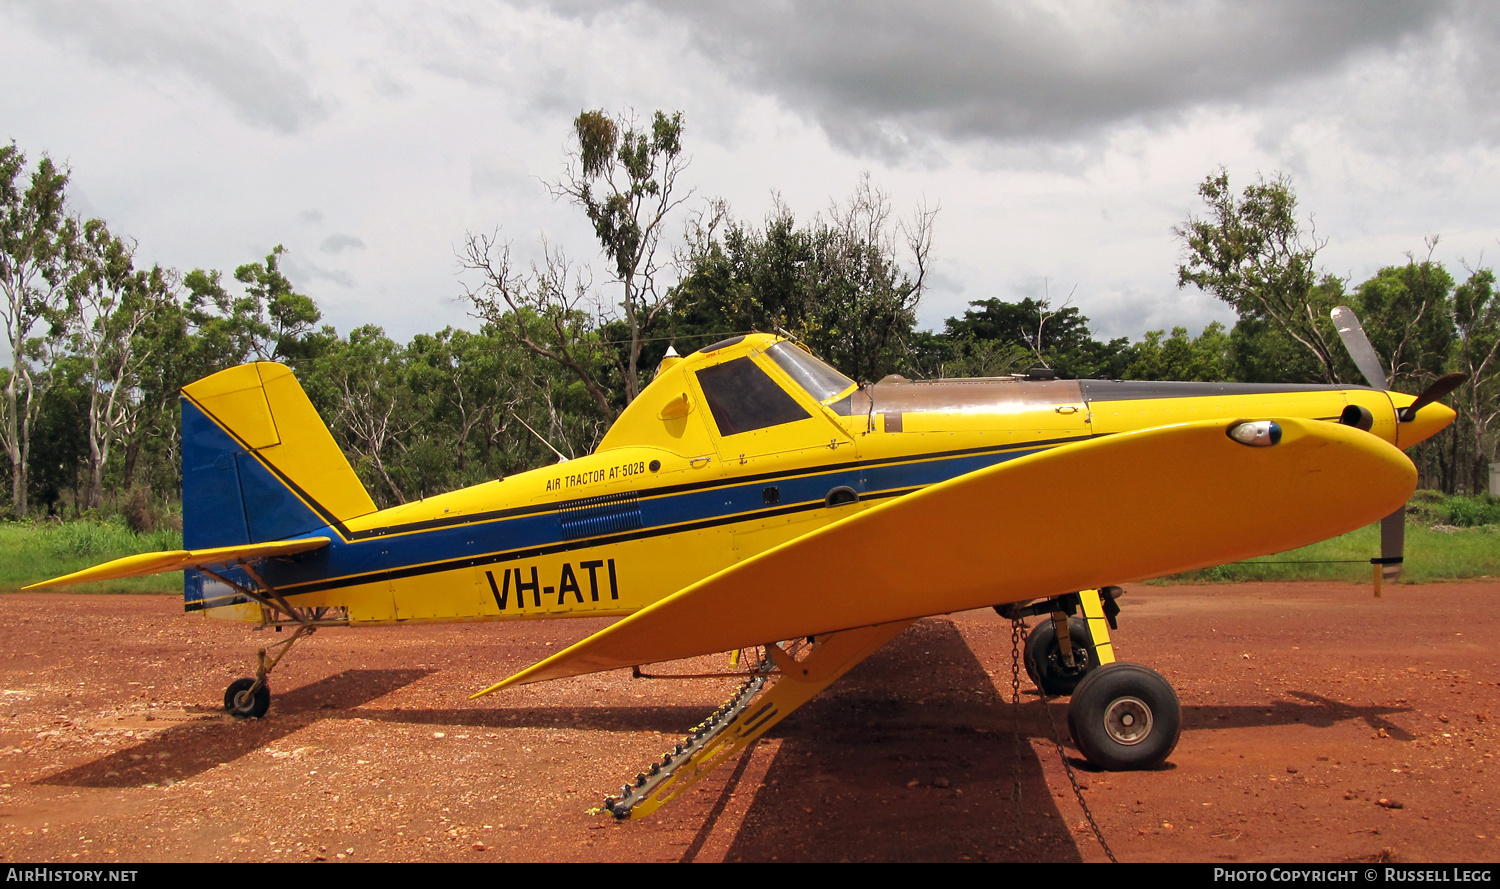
(1058, 661)
(1061, 650)
(250, 698)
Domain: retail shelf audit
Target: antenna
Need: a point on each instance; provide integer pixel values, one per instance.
(560, 457)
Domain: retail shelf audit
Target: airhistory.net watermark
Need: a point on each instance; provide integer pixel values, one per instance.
(68, 875)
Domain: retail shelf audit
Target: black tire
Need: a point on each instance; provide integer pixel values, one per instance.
(250, 706)
(1044, 663)
(1125, 717)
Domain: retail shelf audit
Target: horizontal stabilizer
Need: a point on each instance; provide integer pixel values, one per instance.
(1110, 510)
(177, 560)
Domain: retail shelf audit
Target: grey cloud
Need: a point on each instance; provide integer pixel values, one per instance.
(202, 44)
(884, 78)
(313, 215)
(339, 243)
(942, 283)
(499, 176)
(1129, 311)
(300, 270)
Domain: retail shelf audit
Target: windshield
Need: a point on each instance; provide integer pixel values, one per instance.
(821, 381)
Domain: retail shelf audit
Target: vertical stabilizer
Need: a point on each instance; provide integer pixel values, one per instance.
(258, 464)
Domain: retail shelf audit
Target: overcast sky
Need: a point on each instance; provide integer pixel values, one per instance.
(1061, 141)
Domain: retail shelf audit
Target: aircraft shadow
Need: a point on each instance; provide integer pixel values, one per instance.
(910, 757)
(859, 769)
(675, 720)
(1320, 712)
(191, 748)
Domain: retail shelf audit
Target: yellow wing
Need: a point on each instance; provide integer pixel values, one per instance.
(1111, 510)
(178, 559)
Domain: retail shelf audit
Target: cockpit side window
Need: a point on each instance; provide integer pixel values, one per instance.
(743, 398)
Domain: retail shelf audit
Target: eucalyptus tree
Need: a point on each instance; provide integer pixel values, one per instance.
(1407, 312)
(551, 312)
(266, 321)
(1205, 358)
(1252, 252)
(364, 375)
(110, 303)
(37, 260)
(1476, 314)
(846, 284)
(623, 174)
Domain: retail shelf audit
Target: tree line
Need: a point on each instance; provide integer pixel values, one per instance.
(99, 342)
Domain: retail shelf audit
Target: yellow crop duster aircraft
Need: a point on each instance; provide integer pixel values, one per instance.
(753, 497)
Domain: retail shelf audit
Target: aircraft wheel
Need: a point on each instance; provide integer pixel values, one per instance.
(242, 705)
(1044, 663)
(1125, 717)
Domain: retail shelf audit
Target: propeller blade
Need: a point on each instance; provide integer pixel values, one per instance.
(1432, 393)
(1392, 545)
(1353, 335)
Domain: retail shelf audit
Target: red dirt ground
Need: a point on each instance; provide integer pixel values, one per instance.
(1321, 724)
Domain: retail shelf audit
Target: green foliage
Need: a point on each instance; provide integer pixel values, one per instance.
(1207, 358)
(1457, 510)
(30, 552)
(1251, 252)
(60, 449)
(1407, 314)
(1470, 512)
(998, 338)
(1260, 352)
(268, 321)
(1431, 555)
(840, 283)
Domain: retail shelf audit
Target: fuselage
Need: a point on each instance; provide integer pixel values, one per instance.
(731, 451)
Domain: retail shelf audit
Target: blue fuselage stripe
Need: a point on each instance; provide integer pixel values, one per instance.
(441, 549)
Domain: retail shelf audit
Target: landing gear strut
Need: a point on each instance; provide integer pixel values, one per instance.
(250, 698)
(1062, 649)
(1123, 717)
(1046, 663)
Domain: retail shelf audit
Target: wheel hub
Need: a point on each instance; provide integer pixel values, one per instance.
(1127, 721)
(1080, 662)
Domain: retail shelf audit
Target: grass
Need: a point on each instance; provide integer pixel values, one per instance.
(30, 553)
(1431, 555)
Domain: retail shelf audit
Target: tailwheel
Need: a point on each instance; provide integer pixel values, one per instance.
(1125, 717)
(1044, 659)
(247, 699)
(250, 698)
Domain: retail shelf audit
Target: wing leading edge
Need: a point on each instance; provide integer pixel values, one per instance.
(1111, 510)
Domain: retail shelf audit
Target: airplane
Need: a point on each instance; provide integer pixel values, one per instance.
(754, 499)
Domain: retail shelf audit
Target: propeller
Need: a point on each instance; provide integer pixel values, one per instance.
(1442, 386)
(1393, 526)
(1358, 345)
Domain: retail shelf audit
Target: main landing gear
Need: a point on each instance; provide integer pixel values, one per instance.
(1123, 717)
